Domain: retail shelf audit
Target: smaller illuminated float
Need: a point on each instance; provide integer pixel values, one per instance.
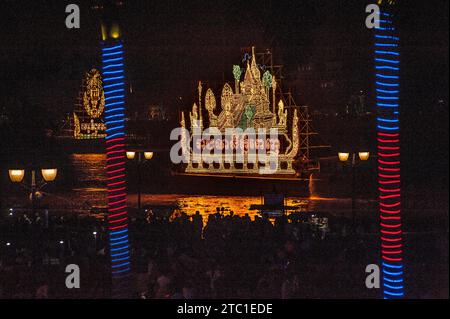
(87, 117)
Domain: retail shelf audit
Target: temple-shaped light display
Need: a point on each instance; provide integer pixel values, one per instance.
(246, 108)
(114, 88)
(387, 69)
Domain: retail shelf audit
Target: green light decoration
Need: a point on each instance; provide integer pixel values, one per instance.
(267, 79)
(237, 72)
(247, 117)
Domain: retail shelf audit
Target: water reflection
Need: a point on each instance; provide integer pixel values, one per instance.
(206, 205)
(85, 186)
(89, 179)
(89, 168)
(90, 190)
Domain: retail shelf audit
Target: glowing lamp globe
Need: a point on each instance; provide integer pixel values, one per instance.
(364, 156)
(16, 175)
(49, 174)
(131, 155)
(343, 156)
(148, 155)
(115, 31)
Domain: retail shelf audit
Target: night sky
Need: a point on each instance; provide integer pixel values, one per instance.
(173, 44)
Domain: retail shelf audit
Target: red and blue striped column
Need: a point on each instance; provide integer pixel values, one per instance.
(387, 69)
(114, 116)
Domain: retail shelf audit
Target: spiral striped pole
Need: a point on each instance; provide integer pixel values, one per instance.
(387, 69)
(114, 116)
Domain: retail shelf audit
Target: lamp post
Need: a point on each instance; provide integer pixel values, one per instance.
(344, 157)
(131, 155)
(95, 240)
(48, 175)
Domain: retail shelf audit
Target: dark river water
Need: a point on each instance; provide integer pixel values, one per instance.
(81, 184)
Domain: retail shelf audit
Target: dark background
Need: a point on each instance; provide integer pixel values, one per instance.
(170, 45)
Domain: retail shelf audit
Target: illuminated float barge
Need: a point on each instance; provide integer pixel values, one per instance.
(87, 118)
(256, 102)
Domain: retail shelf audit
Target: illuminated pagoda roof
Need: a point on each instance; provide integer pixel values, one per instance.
(251, 105)
(248, 105)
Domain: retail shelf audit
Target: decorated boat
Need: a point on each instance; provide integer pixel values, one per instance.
(256, 103)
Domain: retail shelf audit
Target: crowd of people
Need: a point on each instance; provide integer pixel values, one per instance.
(236, 257)
(180, 256)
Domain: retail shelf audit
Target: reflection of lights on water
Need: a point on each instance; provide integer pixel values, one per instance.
(90, 189)
(89, 170)
(318, 198)
(206, 205)
(239, 205)
(89, 157)
(89, 167)
(311, 185)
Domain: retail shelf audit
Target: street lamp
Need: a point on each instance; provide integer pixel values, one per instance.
(131, 155)
(364, 156)
(48, 175)
(343, 157)
(95, 239)
(148, 155)
(16, 175)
